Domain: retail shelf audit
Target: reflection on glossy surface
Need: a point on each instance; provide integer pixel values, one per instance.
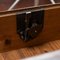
(29, 25)
(5, 4)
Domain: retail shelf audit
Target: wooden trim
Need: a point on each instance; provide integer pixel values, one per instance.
(51, 30)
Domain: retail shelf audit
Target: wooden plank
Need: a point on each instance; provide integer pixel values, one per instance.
(30, 51)
(9, 38)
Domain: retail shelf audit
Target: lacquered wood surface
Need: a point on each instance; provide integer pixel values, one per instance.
(5, 4)
(30, 51)
(50, 30)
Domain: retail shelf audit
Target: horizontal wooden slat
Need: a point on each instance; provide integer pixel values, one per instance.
(30, 51)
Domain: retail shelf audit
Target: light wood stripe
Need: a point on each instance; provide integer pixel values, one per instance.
(30, 51)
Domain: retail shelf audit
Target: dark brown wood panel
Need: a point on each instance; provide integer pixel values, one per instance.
(57, 1)
(43, 2)
(25, 3)
(5, 4)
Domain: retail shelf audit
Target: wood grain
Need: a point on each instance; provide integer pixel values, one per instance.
(31, 51)
(8, 28)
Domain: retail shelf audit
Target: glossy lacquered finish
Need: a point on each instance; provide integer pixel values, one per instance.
(9, 37)
(9, 40)
(5, 4)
